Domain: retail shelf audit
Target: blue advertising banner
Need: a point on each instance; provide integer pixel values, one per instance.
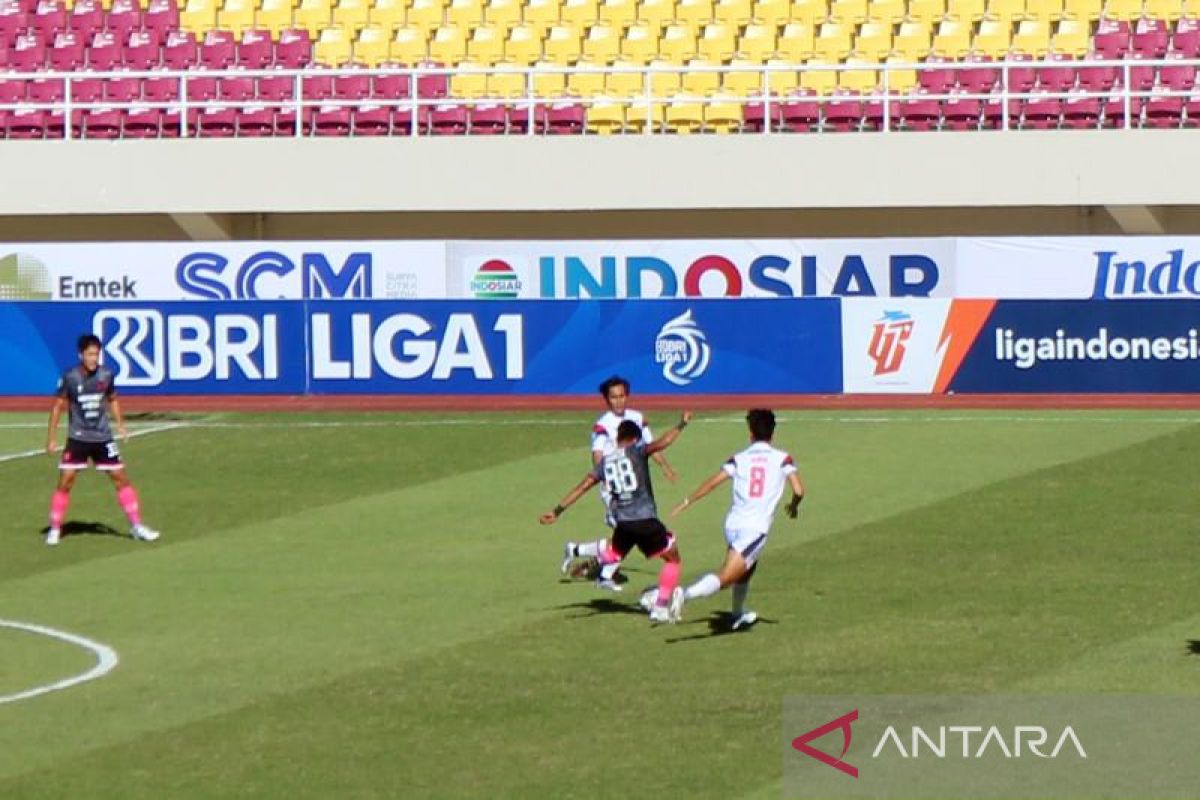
(432, 347)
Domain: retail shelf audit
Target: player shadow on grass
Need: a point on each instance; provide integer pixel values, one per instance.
(79, 528)
(601, 605)
(1193, 647)
(720, 623)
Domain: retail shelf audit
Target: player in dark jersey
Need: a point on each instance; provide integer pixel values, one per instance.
(87, 392)
(625, 472)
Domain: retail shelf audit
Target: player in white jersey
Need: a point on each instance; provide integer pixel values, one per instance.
(615, 391)
(759, 474)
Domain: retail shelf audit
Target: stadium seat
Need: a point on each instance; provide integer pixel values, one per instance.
(665, 78)
(236, 16)
(1150, 43)
(1044, 11)
(797, 43)
(965, 11)
(334, 47)
(685, 115)
(486, 44)
(523, 45)
(602, 45)
(1004, 11)
(800, 112)
(197, 17)
(161, 17)
(49, 19)
(808, 12)
(1123, 10)
(1081, 113)
(742, 83)
(929, 12)
(717, 42)
(372, 48)
(848, 12)
(699, 80)
(466, 14)
(504, 14)
(255, 50)
(938, 79)
(993, 39)
(67, 54)
(548, 84)
(1112, 45)
(625, 85)
(819, 81)
(563, 45)
(408, 46)
(735, 13)
(658, 13)
(833, 42)
(1096, 80)
(1083, 10)
(590, 83)
(757, 42)
(678, 44)
(426, 15)
(618, 14)
(978, 75)
(640, 43)
(218, 50)
(901, 80)
(313, 16)
(565, 117)
(86, 18)
(579, 13)
(952, 40)
(606, 117)
(693, 13)
(874, 40)
(912, 42)
(771, 12)
(1032, 38)
(449, 44)
(294, 49)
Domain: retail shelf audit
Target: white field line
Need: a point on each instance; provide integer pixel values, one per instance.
(41, 451)
(106, 660)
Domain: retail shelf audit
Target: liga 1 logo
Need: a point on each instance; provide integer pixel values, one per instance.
(888, 338)
(682, 349)
(495, 280)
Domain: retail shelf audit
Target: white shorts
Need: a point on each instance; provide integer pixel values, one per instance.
(748, 543)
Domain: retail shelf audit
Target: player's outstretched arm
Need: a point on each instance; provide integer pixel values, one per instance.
(551, 516)
(793, 507)
(52, 430)
(703, 489)
(668, 438)
(668, 471)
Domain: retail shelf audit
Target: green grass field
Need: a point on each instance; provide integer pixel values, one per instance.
(370, 609)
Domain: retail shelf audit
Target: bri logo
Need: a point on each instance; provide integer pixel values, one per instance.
(682, 349)
(495, 280)
(887, 348)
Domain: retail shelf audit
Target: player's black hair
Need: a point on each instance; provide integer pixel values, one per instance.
(88, 340)
(609, 383)
(762, 424)
(628, 431)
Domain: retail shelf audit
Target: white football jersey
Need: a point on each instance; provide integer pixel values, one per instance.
(759, 473)
(604, 432)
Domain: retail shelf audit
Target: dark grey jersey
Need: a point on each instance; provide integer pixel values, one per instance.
(626, 474)
(86, 395)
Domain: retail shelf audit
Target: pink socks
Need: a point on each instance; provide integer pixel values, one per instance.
(128, 499)
(58, 508)
(668, 579)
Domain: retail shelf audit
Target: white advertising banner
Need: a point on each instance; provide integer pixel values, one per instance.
(892, 346)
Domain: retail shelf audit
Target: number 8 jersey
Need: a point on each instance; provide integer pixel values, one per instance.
(759, 473)
(625, 474)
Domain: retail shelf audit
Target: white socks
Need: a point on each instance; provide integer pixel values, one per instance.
(594, 549)
(740, 590)
(707, 586)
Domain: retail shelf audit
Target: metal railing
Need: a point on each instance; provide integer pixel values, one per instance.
(527, 111)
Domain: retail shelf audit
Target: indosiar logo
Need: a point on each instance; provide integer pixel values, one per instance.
(682, 349)
(147, 348)
(23, 277)
(495, 280)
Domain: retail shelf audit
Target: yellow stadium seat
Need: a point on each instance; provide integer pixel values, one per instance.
(912, 42)
(822, 81)
(426, 14)
(580, 13)
(466, 14)
(677, 44)
(602, 43)
(685, 115)
(965, 10)
(524, 45)
(486, 45)
(627, 85)
(606, 117)
(274, 16)
(833, 42)
(889, 12)
(1032, 38)
(504, 13)
(723, 117)
(874, 39)
(408, 46)
(200, 16)
(563, 45)
(640, 42)
(757, 43)
(468, 81)
(863, 81)
(1169, 10)
(387, 13)
(371, 48)
(848, 12)
(542, 13)
(902, 80)
(733, 12)
(1191, 8)
(717, 42)
(351, 14)
(506, 84)
(587, 84)
(743, 83)
(1047, 11)
(618, 13)
(548, 84)
(1088, 10)
(448, 45)
(694, 12)
(809, 12)
(797, 42)
(1004, 10)
(638, 116)
(236, 16)
(772, 12)
(783, 79)
(333, 47)
(700, 82)
(657, 12)
(953, 39)
(1123, 10)
(664, 79)
(313, 16)
(928, 11)
(994, 38)
(1073, 38)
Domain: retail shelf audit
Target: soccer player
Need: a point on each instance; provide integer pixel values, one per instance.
(87, 391)
(759, 473)
(615, 391)
(625, 473)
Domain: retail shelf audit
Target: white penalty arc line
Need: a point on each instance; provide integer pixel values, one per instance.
(42, 451)
(106, 660)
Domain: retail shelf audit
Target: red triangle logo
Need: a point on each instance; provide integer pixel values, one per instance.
(843, 723)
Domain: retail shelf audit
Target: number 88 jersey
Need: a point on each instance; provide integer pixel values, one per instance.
(625, 474)
(759, 473)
